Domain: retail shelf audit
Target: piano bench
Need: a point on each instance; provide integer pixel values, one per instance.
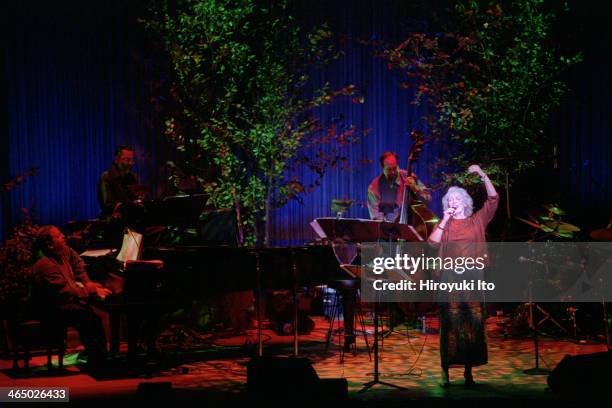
(30, 337)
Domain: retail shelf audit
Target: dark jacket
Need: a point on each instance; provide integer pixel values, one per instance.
(113, 189)
(56, 282)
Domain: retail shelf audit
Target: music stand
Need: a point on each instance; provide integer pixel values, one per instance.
(376, 374)
(180, 210)
(361, 230)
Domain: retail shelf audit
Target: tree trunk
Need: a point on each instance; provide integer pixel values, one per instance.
(267, 218)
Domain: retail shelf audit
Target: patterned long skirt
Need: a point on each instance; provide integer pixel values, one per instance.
(462, 334)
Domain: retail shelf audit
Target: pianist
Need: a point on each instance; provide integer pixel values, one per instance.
(62, 291)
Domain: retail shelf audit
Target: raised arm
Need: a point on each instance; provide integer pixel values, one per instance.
(491, 192)
(487, 212)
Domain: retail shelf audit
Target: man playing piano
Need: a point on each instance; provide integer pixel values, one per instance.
(62, 290)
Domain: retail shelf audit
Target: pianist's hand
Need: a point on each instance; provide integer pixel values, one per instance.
(102, 293)
(92, 287)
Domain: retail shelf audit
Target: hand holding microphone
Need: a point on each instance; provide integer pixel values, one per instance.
(448, 213)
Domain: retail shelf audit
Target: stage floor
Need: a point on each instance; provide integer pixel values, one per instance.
(409, 359)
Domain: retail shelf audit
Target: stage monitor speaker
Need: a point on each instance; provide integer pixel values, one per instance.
(285, 377)
(583, 375)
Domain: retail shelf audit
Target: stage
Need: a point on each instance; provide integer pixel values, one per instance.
(216, 374)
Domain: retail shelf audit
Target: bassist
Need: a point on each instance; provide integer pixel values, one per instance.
(386, 192)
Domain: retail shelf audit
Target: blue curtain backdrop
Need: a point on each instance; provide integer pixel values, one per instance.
(584, 127)
(387, 114)
(78, 86)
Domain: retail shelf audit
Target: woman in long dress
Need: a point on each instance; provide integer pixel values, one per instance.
(462, 322)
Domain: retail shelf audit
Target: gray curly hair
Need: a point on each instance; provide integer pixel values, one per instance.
(467, 199)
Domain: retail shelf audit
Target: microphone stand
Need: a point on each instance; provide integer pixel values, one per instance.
(376, 373)
(605, 317)
(534, 328)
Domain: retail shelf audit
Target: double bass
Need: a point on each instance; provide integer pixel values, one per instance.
(414, 211)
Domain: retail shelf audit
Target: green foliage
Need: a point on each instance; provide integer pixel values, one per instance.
(16, 261)
(239, 73)
(492, 81)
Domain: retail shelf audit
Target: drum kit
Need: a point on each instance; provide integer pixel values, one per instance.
(550, 226)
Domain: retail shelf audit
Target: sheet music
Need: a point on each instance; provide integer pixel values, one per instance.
(364, 230)
(130, 248)
(317, 229)
(348, 219)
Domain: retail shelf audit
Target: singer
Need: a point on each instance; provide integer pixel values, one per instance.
(462, 233)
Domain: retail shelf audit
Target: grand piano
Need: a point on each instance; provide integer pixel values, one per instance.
(206, 263)
(198, 273)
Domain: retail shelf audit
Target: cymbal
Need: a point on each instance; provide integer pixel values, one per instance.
(552, 208)
(530, 223)
(557, 228)
(556, 232)
(604, 234)
(561, 226)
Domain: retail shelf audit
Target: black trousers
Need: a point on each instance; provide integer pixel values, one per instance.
(88, 324)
